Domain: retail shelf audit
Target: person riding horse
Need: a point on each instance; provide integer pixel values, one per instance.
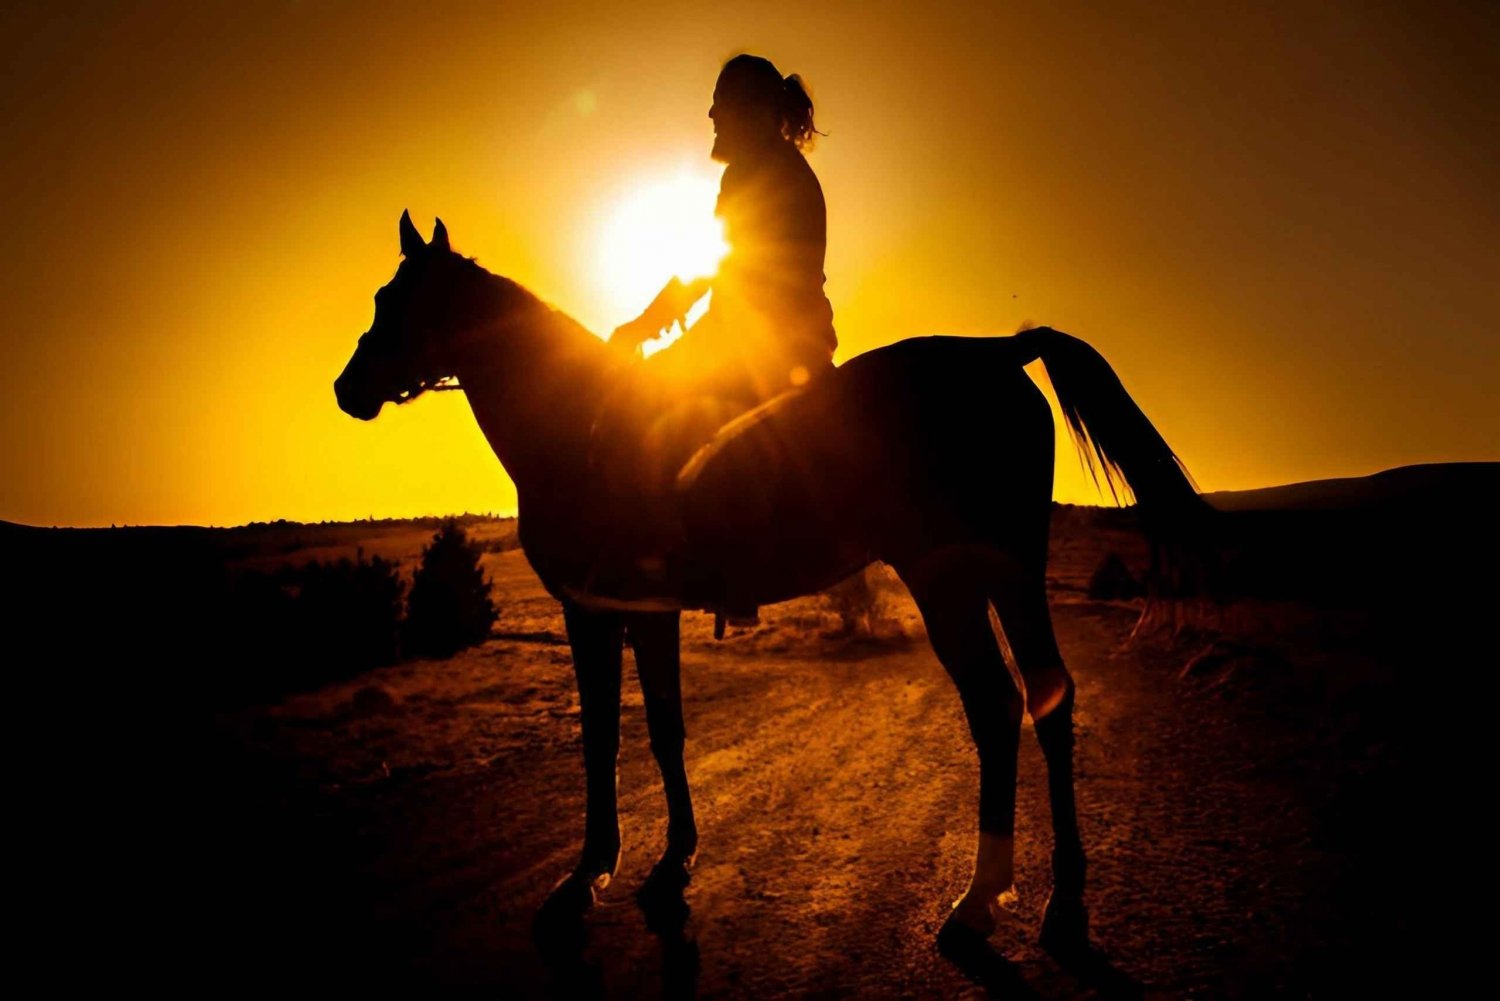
(768, 328)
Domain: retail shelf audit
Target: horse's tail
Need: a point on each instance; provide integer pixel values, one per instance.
(1116, 439)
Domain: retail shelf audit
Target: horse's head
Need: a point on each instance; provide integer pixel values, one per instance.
(417, 313)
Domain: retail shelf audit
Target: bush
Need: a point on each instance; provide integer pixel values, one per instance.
(450, 606)
(856, 603)
(302, 627)
(348, 612)
(1112, 581)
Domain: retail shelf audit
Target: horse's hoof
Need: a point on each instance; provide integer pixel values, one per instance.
(668, 877)
(558, 923)
(660, 896)
(572, 897)
(1065, 926)
(673, 872)
(982, 915)
(958, 936)
(973, 925)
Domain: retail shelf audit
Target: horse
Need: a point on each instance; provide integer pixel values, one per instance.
(932, 454)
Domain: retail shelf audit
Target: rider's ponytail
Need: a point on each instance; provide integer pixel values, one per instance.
(797, 112)
(755, 79)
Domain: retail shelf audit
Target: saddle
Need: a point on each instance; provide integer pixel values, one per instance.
(645, 454)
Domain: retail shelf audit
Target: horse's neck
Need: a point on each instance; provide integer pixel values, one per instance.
(533, 377)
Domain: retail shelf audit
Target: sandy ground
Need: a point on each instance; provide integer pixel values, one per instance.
(402, 828)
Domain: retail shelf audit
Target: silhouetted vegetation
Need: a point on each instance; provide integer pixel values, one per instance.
(1113, 581)
(856, 604)
(302, 626)
(235, 614)
(349, 611)
(450, 605)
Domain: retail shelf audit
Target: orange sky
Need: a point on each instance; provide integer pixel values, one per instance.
(1280, 227)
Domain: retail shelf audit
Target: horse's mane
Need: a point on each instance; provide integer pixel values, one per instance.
(511, 304)
(512, 296)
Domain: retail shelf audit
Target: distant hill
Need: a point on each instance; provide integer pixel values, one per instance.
(1438, 483)
(1411, 542)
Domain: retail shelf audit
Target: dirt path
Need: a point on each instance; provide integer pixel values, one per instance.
(402, 829)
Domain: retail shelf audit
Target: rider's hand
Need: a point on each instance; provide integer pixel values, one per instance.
(630, 335)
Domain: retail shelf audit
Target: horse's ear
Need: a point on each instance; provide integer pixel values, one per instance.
(411, 241)
(440, 237)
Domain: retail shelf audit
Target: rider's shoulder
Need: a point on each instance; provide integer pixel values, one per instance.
(801, 171)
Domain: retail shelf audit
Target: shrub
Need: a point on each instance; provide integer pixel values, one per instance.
(304, 626)
(450, 606)
(348, 612)
(1112, 580)
(855, 602)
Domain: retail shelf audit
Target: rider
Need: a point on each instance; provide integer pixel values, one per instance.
(769, 327)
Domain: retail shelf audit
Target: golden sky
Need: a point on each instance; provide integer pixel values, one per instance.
(1279, 225)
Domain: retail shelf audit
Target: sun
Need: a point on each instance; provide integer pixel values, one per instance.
(662, 226)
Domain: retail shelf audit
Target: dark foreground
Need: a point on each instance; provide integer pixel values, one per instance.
(402, 828)
(1287, 799)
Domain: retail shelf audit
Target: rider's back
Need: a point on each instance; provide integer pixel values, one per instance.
(769, 326)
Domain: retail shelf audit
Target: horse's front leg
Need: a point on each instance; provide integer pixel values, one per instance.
(656, 640)
(597, 639)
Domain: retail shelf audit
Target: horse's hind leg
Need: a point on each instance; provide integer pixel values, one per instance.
(655, 638)
(950, 589)
(1020, 600)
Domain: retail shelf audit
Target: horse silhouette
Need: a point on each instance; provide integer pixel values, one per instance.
(932, 454)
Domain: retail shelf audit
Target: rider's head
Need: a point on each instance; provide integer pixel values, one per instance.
(754, 105)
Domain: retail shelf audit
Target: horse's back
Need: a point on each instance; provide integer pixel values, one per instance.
(930, 436)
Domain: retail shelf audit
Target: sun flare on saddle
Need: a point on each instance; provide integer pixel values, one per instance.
(659, 227)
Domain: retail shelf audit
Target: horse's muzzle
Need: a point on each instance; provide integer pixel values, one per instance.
(355, 404)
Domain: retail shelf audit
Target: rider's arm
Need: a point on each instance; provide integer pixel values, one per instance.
(670, 305)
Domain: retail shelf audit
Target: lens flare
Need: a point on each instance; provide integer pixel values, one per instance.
(661, 227)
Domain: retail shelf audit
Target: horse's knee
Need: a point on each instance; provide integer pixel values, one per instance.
(667, 744)
(664, 725)
(989, 695)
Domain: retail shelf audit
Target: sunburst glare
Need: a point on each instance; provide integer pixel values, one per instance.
(661, 227)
